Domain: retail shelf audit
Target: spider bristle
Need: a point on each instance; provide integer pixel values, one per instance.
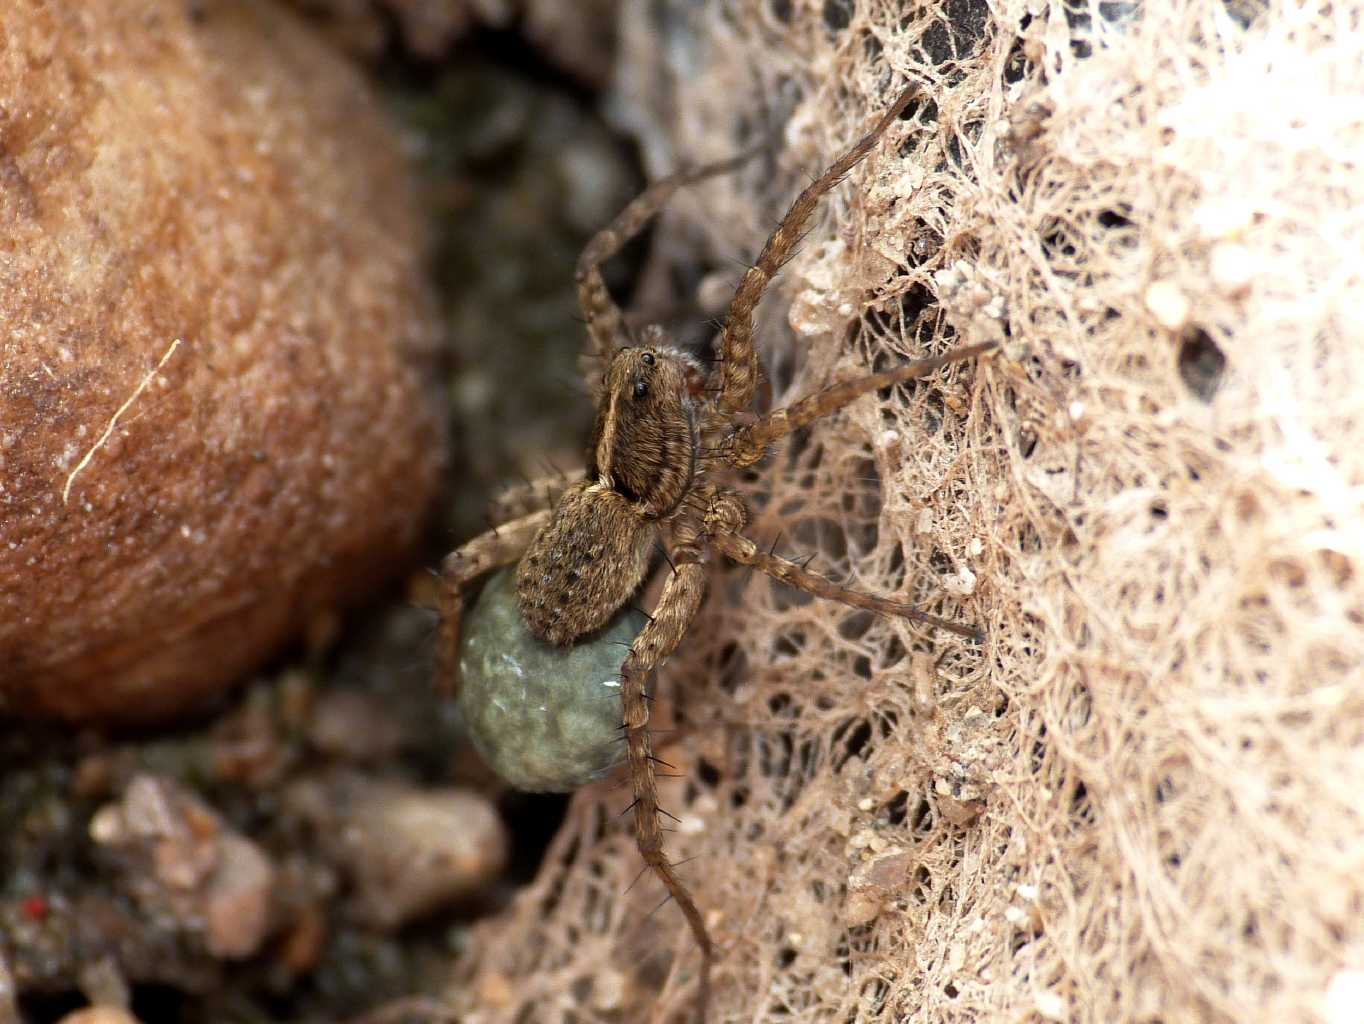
(649, 916)
(742, 262)
(795, 249)
(637, 878)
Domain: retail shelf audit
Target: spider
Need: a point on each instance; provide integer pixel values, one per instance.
(664, 427)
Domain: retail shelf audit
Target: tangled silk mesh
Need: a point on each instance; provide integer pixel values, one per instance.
(1139, 798)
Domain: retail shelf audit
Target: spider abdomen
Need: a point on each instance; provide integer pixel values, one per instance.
(584, 565)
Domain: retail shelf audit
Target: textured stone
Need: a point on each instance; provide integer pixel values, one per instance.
(407, 851)
(216, 416)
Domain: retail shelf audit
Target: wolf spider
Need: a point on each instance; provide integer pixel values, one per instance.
(663, 426)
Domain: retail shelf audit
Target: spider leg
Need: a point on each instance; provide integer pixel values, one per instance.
(676, 608)
(605, 322)
(738, 360)
(487, 551)
(749, 443)
(527, 496)
(727, 509)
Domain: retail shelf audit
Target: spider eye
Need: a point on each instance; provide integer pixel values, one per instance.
(648, 358)
(641, 388)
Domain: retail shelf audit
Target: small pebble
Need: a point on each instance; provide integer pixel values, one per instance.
(961, 813)
(406, 851)
(304, 941)
(1168, 305)
(353, 726)
(9, 994)
(180, 860)
(238, 898)
(248, 748)
(873, 883)
(962, 582)
(99, 1015)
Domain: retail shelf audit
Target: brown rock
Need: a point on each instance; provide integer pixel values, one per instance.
(304, 941)
(214, 417)
(99, 1015)
(9, 994)
(873, 884)
(353, 726)
(406, 851)
(181, 862)
(237, 903)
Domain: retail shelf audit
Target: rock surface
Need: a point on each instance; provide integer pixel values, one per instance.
(100, 1015)
(215, 417)
(180, 862)
(406, 851)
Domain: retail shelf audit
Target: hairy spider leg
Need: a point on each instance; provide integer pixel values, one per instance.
(747, 445)
(740, 549)
(605, 321)
(486, 552)
(677, 607)
(738, 367)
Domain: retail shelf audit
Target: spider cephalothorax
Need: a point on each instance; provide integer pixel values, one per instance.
(664, 430)
(645, 440)
(593, 554)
